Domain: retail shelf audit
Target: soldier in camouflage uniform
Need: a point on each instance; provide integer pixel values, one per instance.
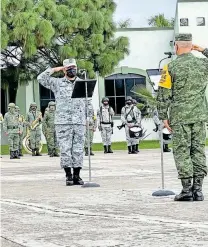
(22, 124)
(12, 129)
(140, 116)
(44, 130)
(35, 134)
(70, 118)
(182, 93)
(105, 124)
(92, 129)
(48, 121)
(130, 117)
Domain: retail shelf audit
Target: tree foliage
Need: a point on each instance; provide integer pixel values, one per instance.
(160, 21)
(41, 33)
(124, 23)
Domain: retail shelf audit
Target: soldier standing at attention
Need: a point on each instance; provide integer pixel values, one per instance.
(92, 128)
(44, 130)
(130, 117)
(12, 129)
(22, 125)
(140, 116)
(48, 121)
(34, 117)
(70, 118)
(182, 93)
(105, 124)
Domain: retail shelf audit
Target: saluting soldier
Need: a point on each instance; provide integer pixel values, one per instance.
(181, 92)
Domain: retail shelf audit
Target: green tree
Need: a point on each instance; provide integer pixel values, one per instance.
(160, 21)
(41, 33)
(124, 23)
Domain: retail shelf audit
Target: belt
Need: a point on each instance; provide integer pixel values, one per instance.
(131, 121)
(105, 123)
(12, 127)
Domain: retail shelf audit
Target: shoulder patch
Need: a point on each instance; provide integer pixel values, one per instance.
(165, 80)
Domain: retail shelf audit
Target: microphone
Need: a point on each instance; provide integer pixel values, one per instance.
(170, 54)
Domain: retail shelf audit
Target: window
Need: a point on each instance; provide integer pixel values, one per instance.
(46, 95)
(200, 21)
(118, 86)
(184, 22)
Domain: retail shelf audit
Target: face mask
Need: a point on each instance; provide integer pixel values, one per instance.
(33, 108)
(128, 102)
(105, 103)
(71, 73)
(52, 108)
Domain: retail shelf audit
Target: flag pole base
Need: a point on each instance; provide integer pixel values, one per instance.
(90, 184)
(163, 193)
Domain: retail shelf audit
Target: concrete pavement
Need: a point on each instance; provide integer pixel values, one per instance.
(38, 210)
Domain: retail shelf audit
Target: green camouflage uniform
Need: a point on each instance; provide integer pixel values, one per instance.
(11, 127)
(44, 130)
(186, 103)
(49, 126)
(35, 134)
(22, 125)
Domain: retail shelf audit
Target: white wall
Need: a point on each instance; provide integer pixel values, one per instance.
(146, 47)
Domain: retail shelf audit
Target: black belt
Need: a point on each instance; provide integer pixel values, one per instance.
(12, 127)
(131, 121)
(105, 123)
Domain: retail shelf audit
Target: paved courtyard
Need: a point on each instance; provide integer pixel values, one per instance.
(38, 210)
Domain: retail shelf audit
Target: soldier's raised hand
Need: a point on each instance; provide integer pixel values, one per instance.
(197, 48)
(57, 69)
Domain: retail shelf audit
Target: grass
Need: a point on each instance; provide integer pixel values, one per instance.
(99, 147)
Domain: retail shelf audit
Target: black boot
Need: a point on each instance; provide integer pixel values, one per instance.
(137, 148)
(110, 150)
(11, 155)
(76, 178)
(86, 151)
(33, 152)
(133, 149)
(91, 153)
(20, 152)
(166, 149)
(105, 149)
(197, 189)
(56, 153)
(37, 152)
(69, 179)
(186, 193)
(16, 153)
(129, 150)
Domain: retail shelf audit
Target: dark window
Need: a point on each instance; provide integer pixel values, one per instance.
(118, 86)
(46, 95)
(200, 21)
(184, 22)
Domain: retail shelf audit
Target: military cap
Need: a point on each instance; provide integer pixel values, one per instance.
(128, 98)
(69, 62)
(183, 37)
(51, 103)
(11, 105)
(105, 99)
(17, 107)
(33, 104)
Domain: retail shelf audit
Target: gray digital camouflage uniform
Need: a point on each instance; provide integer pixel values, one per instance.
(104, 118)
(133, 118)
(70, 119)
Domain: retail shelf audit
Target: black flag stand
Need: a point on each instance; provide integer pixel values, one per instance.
(88, 91)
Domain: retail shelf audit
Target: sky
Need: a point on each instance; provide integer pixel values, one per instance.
(140, 10)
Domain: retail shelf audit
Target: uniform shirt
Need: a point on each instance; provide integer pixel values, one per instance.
(92, 119)
(130, 113)
(32, 116)
(11, 123)
(105, 115)
(68, 110)
(184, 97)
(48, 120)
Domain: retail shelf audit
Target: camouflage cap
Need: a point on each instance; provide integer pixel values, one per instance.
(183, 37)
(51, 103)
(11, 105)
(69, 62)
(17, 107)
(129, 98)
(105, 99)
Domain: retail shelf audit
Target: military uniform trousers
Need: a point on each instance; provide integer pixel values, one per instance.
(35, 138)
(71, 139)
(21, 137)
(91, 138)
(189, 150)
(52, 140)
(106, 134)
(13, 140)
(130, 141)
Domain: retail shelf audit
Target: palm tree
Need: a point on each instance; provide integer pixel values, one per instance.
(124, 23)
(160, 21)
